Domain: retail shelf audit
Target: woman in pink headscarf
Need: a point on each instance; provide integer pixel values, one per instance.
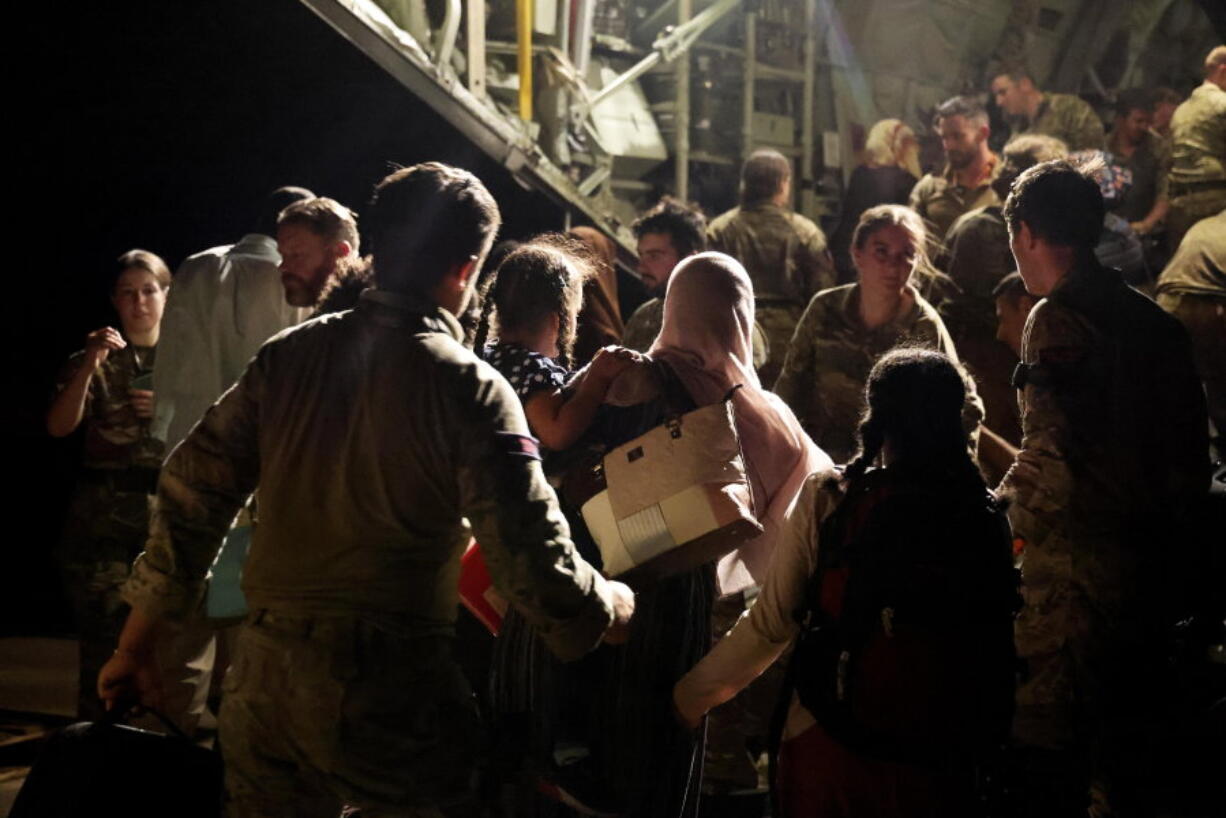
(706, 340)
(635, 749)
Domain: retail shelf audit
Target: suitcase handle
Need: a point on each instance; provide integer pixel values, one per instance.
(125, 711)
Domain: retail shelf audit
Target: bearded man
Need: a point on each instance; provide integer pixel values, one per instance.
(970, 166)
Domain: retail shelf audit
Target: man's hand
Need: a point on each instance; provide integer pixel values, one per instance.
(99, 343)
(132, 675)
(130, 678)
(142, 402)
(623, 611)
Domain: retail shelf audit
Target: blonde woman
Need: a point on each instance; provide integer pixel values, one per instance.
(890, 169)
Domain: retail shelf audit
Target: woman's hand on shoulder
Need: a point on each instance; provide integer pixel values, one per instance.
(99, 343)
(611, 361)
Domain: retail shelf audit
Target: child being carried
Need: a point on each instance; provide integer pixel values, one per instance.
(530, 307)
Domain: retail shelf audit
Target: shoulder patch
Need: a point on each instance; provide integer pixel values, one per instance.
(518, 445)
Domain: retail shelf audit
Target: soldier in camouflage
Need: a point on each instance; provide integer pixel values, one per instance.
(1029, 110)
(376, 439)
(667, 233)
(1134, 147)
(105, 389)
(846, 329)
(1193, 289)
(1197, 180)
(1114, 453)
(966, 181)
(784, 253)
(979, 259)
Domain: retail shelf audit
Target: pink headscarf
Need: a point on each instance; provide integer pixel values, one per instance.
(707, 339)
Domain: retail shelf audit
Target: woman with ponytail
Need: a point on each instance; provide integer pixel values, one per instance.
(845, 329)
(911, 492)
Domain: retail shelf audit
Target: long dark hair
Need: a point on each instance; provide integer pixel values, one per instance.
(537, 279)
(914, 399)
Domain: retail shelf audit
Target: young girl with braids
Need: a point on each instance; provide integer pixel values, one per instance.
(531, 304)
(532, 301)
(910, 497)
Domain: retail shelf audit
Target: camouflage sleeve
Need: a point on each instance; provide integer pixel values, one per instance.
(68, 370)
(524, 537)
(796, 377)
(1055, 349)
(202, 487)
(816, 263)
(1085, 129)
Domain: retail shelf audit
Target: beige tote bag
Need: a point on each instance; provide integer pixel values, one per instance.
(669, 500)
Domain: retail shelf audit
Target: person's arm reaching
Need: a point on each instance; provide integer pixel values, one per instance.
(560, 416)
(131, 675)
(762, 634)
(68, 408)
(523, 536)
(202, 486)
(995, 454)
(1162, 203)
(1156, 216)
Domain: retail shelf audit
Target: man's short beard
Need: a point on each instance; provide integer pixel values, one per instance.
(966, 159)
(323, 274)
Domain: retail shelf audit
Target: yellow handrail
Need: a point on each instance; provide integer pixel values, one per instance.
(523, 27)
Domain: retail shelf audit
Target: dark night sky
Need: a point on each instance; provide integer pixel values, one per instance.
(162, 125)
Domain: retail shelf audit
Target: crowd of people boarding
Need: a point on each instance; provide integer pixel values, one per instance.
(975, 448)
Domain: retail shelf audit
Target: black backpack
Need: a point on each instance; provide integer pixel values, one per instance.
(906, 646)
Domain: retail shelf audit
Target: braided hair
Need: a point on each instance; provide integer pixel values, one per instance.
(914, 399)
(537, 279)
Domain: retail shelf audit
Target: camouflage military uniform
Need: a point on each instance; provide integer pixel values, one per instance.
(979, 257)
(830, 357)
(1193, 289)
(108, 520)
(375, 438)
(1113, 453)
(644, 325)
(788, 262)
(1197, 180)
(940, 200)
(1069, 119)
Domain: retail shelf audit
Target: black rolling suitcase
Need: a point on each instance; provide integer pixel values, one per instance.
(108, 768)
